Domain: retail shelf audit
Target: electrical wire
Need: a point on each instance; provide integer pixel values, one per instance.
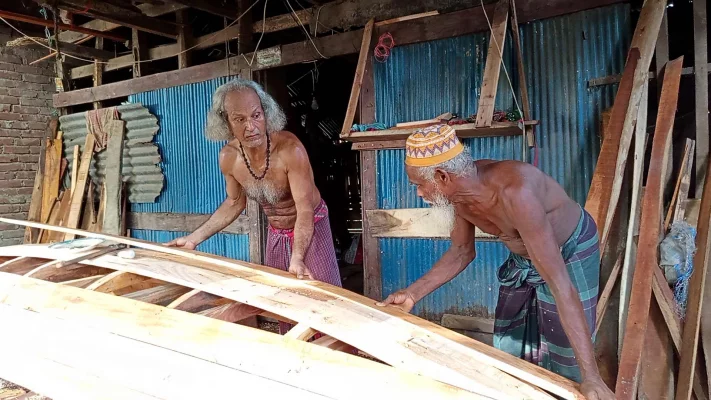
(306, 31)
(141, 61)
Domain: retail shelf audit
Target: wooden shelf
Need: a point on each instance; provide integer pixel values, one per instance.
(395, 138)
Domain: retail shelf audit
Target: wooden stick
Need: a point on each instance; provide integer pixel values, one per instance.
(80, 188)
(113, 181)
(407, 18)
(640, 298)
(681, 190)
(492, 69)
(358, 80)
(301, 331)
(525, 105)
(694, 308)
(75, 167)
(606, 292)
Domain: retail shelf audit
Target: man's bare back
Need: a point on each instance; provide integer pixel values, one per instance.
(497, 179)
(273, 192)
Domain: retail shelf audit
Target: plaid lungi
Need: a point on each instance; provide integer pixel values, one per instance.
(527, 321)
(320, 256)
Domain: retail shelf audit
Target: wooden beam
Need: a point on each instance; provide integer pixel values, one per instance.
(492, 69)
(231, 312)
(523, 87)
(694, 304)
(48, 23)
(97, 81)
(630, 257)
(50, 182)
(245, 35)
(216, 7)
(398, 136)
(411, 223)
(363, 56)
(113, 180)
(83, 282)
(681, 189)
(96, 25)
(139, 52)
(156, 10)
(162, 294)
(123, 16)
(59, 219)
(483, 367)
(372, 273)
(85, 51)
(640, 298)
(185, 39)
(701, 85)
(301, 331)
(116, 281)
(606, 292)
(77, 199)
(196, 300)
(181, 222)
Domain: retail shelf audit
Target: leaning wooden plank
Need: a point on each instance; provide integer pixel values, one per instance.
(197, 300)
(163, 294)
(412, 222)
(449, 357)
(116, 281)
(606, 292)
(640, 297)
(61, 218)
(640, 146)
(112, 180)
(694, 303)
(35, 211)
(301, 331)
(701, 92)
(248, 353)
(83, 282)
(492, 69)
(681, 190)
(50, 179)
(607, 179)
(358, 80)
(525, 105)
(77, 198)
(75, 168)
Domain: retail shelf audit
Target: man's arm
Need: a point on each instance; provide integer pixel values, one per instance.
(231, 208)
(301, 183)
(530, 220)
(460, 254)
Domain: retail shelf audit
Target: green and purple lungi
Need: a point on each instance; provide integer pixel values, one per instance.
(527, 321)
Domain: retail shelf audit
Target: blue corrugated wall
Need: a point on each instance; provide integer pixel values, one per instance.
(422, 80)
(194, 183)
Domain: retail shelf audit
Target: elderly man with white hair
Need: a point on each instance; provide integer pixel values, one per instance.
(264, 162)
(549, 283)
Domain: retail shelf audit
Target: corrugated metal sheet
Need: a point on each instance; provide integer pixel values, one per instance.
(140, 157)
(194, 183)
(424, 80)
(226, 245)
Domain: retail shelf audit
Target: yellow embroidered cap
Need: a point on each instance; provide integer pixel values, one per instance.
(431, 146)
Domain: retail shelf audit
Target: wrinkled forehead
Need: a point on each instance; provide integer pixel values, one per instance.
(243, 101)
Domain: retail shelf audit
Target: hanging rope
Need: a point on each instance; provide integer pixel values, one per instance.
(382, 49)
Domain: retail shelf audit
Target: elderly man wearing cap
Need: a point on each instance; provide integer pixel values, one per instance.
(549, 283)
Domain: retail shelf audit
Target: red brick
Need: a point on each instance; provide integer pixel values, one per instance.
(16, 149)
(28, 183)
(30, 167)
(7, 66)
(10, 58)
(8, 158)
(49, 87)
(6, 83)
(19, 92)
(25, 110)
(34, 133)
(35, 149)
(46, 96)
(37, 125)
(25, 174)
(29, 69)
(36, 78)
(35, 117)
(24, 190)
(14, 234)
(6, 141)
(4, 91)
(11, 75)
(8, 192)
(47, 111)
(10, 167)
(5, 108)
(12, 183)
(10, 116)
(9, 208)
(24, 207)
(7, 175)
(9, 100)
(27, 158)
(31, 101)
(27, 142)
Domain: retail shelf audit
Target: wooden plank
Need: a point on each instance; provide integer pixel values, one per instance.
(412, 223)
(174, 222)
(113, 178)
(332, 343)
(694, 303)
(75, 168)
(139, 51)
(606, 292)
(463, 131)
(95, 24)
(216, 7)
(372, 274)
(60, 218)
(467, 323)
(50, 181)
(197, 300)
(363, 56)
(231, 312)
(109, 12)
(77, 198)
(48, 23)
(35, 211)
(185, 39)
(301, 331)
(701, 92)
(21, 265)
(657, 370)
(274, 361)
(116, 281)
(162, 294)
(640, 146)
(523, 87)
(335, 307)
(661, 50)
(83, 282)
(245, 36)
(98, 79)
(640, 298)
(607, 179)
(681, 189)
(492, 69)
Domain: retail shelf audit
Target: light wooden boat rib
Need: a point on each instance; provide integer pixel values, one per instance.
(90, 324)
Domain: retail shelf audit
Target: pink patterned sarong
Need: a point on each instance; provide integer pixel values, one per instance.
(320, 257)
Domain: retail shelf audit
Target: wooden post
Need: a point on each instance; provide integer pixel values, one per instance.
(492, 69)
(661, 51)
(701, 85)
(640, 299)
(139, 49)
(113, 179)
(525, 105)
(245, 37)
(372, 274)
(77, 199)
(98, 70)
(185, 38)
(358, 79)
(50, 183)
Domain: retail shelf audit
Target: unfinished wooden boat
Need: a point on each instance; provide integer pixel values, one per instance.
(88, 321)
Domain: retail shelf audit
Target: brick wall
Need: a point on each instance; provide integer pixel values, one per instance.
(25, 110)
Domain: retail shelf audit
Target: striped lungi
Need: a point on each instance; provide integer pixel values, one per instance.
(320, 256)
(528, 325)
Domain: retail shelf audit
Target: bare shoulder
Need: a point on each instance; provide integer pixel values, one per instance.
(228, 156)
(512, 176)
(288, 146)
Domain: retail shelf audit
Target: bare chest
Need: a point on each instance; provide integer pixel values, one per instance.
(491, 222)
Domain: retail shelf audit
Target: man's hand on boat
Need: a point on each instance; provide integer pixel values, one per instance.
(186, 242)
(402, 299)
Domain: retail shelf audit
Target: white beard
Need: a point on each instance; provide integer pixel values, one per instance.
(442, 212)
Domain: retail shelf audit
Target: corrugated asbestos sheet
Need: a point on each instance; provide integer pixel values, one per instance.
(423, 80)
(140, 156)
(194, 183)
